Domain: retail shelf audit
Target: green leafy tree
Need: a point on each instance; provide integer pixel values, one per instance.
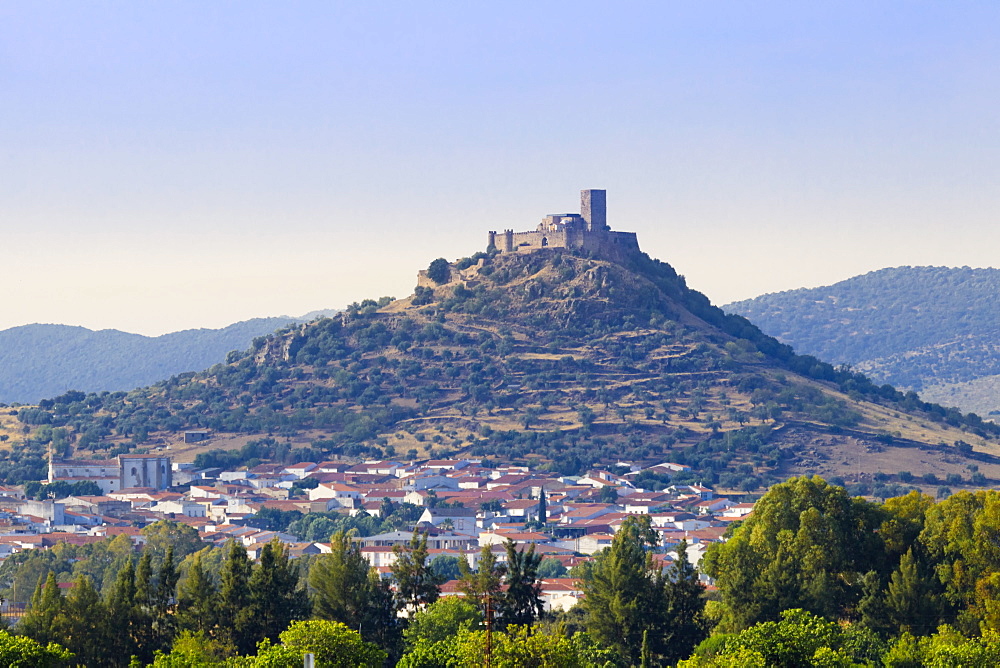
(806, 545)
(166, 535)
(551, 568)
(483, 585)
(798, 639)
(332, 643)
(446, 567)
(438, 271)
(442, 620)
(17, 651)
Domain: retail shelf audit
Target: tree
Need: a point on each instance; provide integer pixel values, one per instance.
(551, 568)
(439, 271)
(442, 620)
(162, 600)
(236, 621)
(197, 609)
(41, 621)
(521, 602)
(913, 596)
(332, 643)
(446, 567)
(685, 608)
(483, 585)
(806, 545)
(347, 590)
(122, 618)
(23, 651)
(166, 534)
(516, 648)
(797, 639)
(608, 494)
(624, 590)
(417, 585)
(83, 627)
(275, 597)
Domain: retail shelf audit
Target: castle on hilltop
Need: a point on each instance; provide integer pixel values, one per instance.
(587, 230)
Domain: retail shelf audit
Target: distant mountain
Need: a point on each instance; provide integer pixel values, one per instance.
(935, 330)
(38, 361)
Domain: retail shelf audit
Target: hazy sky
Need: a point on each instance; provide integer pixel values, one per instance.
(190, 164)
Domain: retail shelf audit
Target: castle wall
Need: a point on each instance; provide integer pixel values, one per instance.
(588, 230)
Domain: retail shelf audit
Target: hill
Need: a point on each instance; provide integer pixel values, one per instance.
(557, 357)
(38, 361)
(930, 329)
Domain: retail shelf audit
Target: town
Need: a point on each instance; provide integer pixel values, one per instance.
(461, 504)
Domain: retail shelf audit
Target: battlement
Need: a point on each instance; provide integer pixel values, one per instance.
(588, 230)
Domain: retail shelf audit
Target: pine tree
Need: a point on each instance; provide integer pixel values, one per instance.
(197, 605)
(417, 586)
(275, 597)
(121, 603)
(484, 584)
(163, 601)
(913, 602)
(142, 614)
(40, 622)
(684, 598)
(235, 615)
(84, 626)
(521, 602)
(624, 591)
(349, 591)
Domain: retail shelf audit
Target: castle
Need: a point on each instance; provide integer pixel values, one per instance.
(587, 230)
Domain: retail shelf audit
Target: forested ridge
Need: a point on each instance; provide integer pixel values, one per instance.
(915, 327)
(567, 359)
(40, 361)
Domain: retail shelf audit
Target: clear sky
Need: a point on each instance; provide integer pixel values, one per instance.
(190, 164)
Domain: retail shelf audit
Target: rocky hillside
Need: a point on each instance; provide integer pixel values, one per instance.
(935, 330)
(559, 358)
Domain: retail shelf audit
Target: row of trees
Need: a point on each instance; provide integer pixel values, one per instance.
(228, 607)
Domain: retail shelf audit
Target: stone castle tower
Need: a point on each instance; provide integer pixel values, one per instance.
(587, 230)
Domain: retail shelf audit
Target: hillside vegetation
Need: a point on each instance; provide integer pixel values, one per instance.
(38, 361)
(559, 358)
(935, 330)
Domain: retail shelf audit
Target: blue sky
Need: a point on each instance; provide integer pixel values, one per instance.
(189, 164)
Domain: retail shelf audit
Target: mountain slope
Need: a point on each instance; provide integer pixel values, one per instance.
(38, 361)
(921, 328)
(561, 358)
